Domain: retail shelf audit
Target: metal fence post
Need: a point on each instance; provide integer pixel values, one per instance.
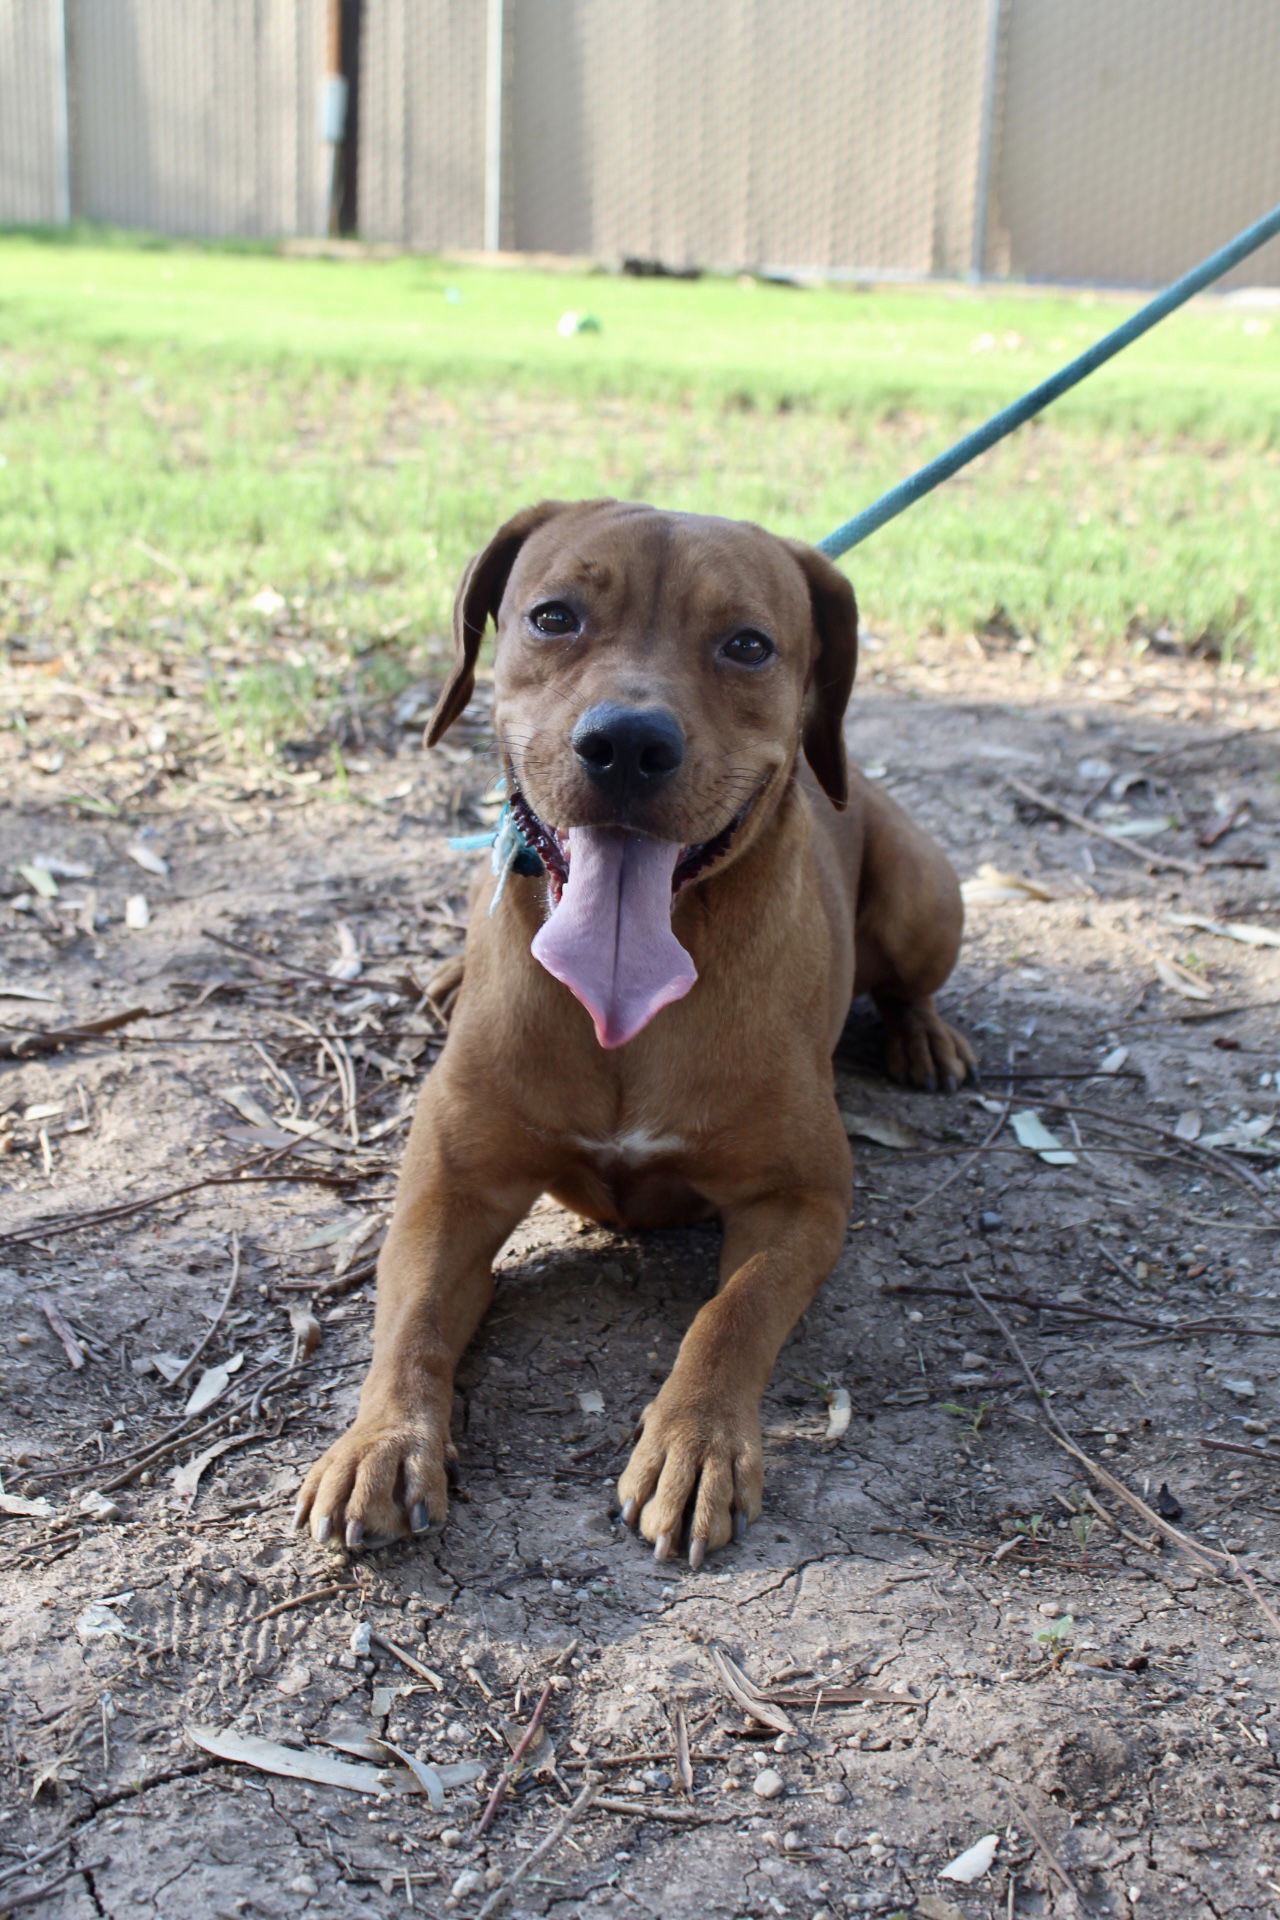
(494, 77)
(986, 139)
(61, 114)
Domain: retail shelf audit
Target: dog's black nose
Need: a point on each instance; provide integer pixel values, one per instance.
(628, 752)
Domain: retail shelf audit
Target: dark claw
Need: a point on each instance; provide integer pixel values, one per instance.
(420, 1519)
(740, 1525)
(662, 1547)
(355, 1534)
(697, 1552)
(451, 1472)
(299, 1514)
(322, 1529)
(949, 1083)
(630, 1512)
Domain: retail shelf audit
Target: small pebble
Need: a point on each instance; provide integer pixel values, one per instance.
(451, 1837)
(347, 1661)
(990, 1222)
(792, 1840)
(835, 1794)
(362, 1639)
(790, 1743)
(456, 1734)
(657, 1778)
(467, 1883)
(493, 1877)
(304, 1885)
(768, 1785)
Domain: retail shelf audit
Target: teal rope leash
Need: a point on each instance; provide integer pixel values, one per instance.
(914, 488)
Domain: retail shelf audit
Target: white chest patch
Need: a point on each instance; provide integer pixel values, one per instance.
(634, 1146)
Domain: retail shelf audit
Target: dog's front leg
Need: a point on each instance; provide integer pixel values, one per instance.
(388, 1474)
(697, 1470)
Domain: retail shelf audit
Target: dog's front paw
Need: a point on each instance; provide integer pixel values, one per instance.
(696, 1475)
(922, 1051)
(383, 1479)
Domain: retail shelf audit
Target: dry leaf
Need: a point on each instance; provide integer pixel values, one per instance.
(839, 1414)
(20, 1509)
(990, 886)
(1114, 1060)
(1187, 1125)
(307, 1331)
(348, 965)
(147, 858)
(212, 1384)
(1242, 930)
(1242, 1135)
(1030, 1131)
(881, 1128)
(1180, 979)
(294, 1763)
(187, 1479)
(39, 879)
(972, 1863)
(591, 1400)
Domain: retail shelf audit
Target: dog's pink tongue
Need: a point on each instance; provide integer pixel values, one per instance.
(610, 938)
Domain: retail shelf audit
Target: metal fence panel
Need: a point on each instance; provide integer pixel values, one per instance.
(33, 156)
(198, 116)
(1135, 138)
(741, 132)
(421, 165)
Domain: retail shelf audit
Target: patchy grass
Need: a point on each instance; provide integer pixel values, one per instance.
(190, 436)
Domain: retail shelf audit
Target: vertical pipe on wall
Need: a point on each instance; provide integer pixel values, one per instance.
(494, 71)
(61, 114)
(986, 139)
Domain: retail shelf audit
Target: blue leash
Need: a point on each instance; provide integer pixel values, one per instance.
(908, 491)
(510, 851)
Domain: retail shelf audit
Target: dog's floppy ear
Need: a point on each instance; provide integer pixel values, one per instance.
(835, 622)
(478, 600)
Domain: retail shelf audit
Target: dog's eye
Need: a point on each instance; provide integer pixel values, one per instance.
(748, 648)
(554, 619)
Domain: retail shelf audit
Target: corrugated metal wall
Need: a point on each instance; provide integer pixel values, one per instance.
(1136, 136)
(33, 151)
(198, 116)
(741, 132)
(421, 166)
(1128, 136)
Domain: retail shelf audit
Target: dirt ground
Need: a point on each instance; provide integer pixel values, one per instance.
(972, 1632)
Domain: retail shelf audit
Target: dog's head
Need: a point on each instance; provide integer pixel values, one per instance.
(657, 676)
(655, 672)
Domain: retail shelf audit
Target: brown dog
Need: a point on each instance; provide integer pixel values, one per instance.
(646, 1032)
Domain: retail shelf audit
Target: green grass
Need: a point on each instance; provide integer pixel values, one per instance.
(181, 428)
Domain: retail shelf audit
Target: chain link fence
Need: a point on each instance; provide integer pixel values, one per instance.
(1110, 141)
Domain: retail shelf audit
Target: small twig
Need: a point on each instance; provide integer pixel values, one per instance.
(1151, 861)
(53, 1039)
(523, 1745)
(1081, 1310)
(407, 1660)
(161, 559)
(684, 1762)
(218, 1312)
(1041, 1839)
(57, 1320)
(675, 1816)
(500, 1895)
(961, 1166)
(12, 1901)
(1238, 1446)
(31, 1860)
(100, 1216)
(302, 1600)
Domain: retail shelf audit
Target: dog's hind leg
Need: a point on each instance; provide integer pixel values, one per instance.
(910, 919)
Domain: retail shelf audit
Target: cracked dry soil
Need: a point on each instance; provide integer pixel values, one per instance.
(1097, 1700)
